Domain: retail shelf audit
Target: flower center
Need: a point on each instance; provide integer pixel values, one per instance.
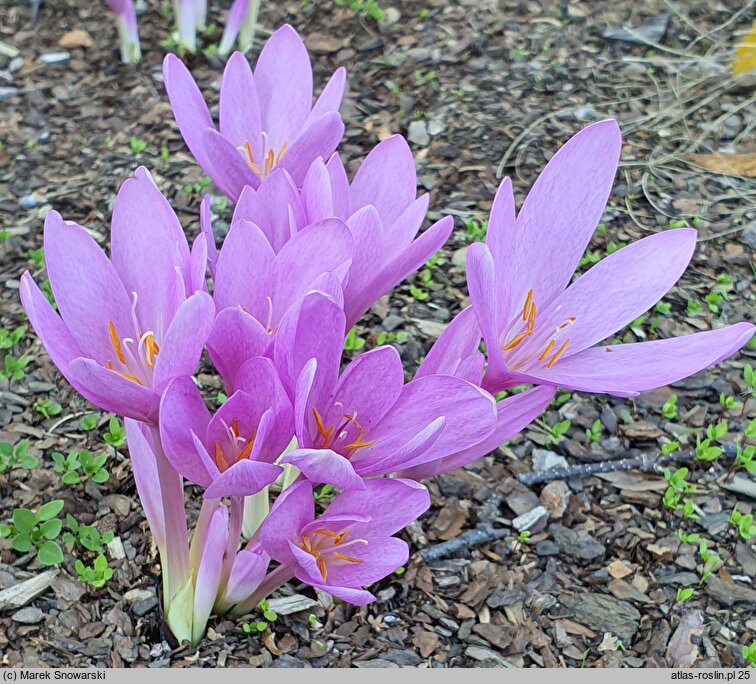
(346, 440)
(135, 359)
(269, 162)
(550, 349)
(326, 547)
(235, 449)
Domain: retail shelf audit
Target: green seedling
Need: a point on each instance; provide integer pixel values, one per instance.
(325, 493)
(14, 368)
(38, 531)
(16, 456)
(384, 337)
(71, 467)
(744, 459)
(678, 486)
(89, 423)
(116, 434)
(694, 307)
(588, 259)
(728, 403)
(48, 408)
(669, 409)
(749, 654)
(476, 230)
(86, 536)
(689, 511)
(353, 342)
(670, 448)
(692, 538)
(10, 339)
(97, 574)
(558, 431)
(137, 146)
(684, 594)
(38, 257)
(744, 524)
(705, 452)
(594, 433)
(664, 308)
(710, 561)
(419, 294)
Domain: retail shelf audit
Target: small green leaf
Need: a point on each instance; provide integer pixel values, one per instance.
(50, 554)
(22, 542)
(51, 528)
(50, 509)
(24, 520)
(101, 476)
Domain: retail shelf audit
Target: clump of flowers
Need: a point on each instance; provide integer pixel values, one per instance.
(308, 252)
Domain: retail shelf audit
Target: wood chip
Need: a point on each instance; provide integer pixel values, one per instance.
(618, 569)
(20, 594)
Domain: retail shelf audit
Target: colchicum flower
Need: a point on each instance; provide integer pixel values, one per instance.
(128, 31)
(351, 544)
(367, 422)
(267, 119)
(129, 325)
(379, 207)
(232, 452)
(241, 22)
(539, 328)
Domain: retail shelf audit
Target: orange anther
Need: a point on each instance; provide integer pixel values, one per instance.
(325, 434)
(358, 443)
(532, 317)
(124, 375)
(349, 559)
(245, 452)
(115, 342)
(559, 352)
(322, 568)
(152, 350)
(328, 533)
(220, 458)
(281, 154)
(516, 340)
(526, 308)
(251, 159)
(546, 351)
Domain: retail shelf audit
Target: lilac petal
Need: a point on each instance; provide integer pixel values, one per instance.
(319, 139)
(149, 250)
(372, 250)
(314, 330)
(113, 393)
(380, 557)
(484, 295)
(208, 578)
(627, 369)
(207, 460)
(422, 249)
(87, 289)
(339, 187)
(601, 300)
(243, 478)
(324, 465)
(183, 412)
(563, 209)
(234, 22)
(182, 346)
(455, 352)
(241, 277)
(470, 413)
(239, 108)
(226, 165)
(198, 262)
(259, 376)
(307, 570)
(146, 478)
(279, 201)
(514, 414)
(189, 108)
(357, 597)
(403, 449)
(330, 285)
(247, 572)
(235, 338)
(370, 385)
(316, 192)
(292, 510)
(386, 179)
(50, 329)
(284, 84)
(207, 230)
(330, 98)
(391, 503)
(294, 268)
(403, 230)
(501, 240)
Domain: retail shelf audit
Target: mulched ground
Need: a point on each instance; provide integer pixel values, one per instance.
(476, 86)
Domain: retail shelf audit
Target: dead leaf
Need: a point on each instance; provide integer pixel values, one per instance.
(682, 651)
(425, 642)
(608, 643)
(76, 39)
(745, 55)
(635, 482)
(743, 164)
(269, 639)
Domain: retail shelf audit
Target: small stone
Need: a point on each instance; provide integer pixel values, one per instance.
(577, 543)
(417, 133)
(75, 39)
(392, 322)
(546, 460)
(51, 58)
(555, 496)
(7, 93)
(28, 616)
(29, 202)
(288, 605)
(529, 520)
(618, 569)
(391, 15)
(486, 654)
(432, 329)
(603, 613)
(436, 127)
(141, 608)
(546, 547)
(749, 233)
(645, 34)
(9, 51)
